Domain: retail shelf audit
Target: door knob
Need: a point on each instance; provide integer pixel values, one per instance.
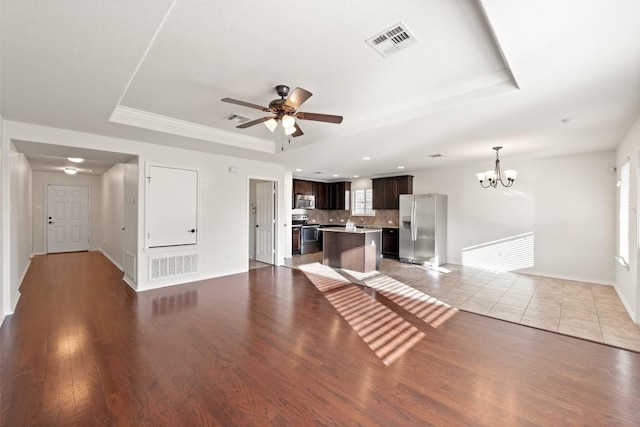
(51, 222)
(193, 230)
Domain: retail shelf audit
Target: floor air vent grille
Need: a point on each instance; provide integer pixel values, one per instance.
(173, 265)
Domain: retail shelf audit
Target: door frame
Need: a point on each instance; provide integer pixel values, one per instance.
(46, 209)
(276, 215)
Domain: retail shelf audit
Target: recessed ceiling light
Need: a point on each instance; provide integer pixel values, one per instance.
(335, 175)
(366, 158)
(75, 159)
(298, 170)
(356, 176)
(400, 167)
(70, 171)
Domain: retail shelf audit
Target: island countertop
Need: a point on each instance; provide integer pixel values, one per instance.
(356, 231)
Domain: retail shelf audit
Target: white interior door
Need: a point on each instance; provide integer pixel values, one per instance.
(172, 209)
(67, 218)
(265, 221)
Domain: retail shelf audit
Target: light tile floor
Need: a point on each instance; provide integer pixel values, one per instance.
(584, 310)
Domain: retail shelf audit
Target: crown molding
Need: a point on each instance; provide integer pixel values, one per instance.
(156, 122)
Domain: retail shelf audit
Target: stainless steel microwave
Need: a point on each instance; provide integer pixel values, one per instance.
(305, 201)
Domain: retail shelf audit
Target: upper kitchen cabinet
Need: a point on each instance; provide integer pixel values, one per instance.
(329, 195)
(386, 191)
(333, 195)
(304, 187)
(308, 188)
(342, 195)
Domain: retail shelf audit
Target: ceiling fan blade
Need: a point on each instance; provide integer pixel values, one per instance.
(297, 97)
(253, 122)
(319, 117)
(244, 104)
(298, 131)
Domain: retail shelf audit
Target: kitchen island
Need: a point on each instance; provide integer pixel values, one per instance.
(357, 250)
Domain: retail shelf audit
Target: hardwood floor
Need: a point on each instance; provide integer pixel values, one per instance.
(266, 348)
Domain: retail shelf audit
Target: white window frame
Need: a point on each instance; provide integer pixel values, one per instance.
(624, 213)
(367, 209)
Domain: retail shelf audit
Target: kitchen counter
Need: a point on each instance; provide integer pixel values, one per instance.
(357, 250)
(371, 227)
(356, 231)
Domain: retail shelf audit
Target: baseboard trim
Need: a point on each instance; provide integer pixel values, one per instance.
(14, 304)
(626, 305)
(111, 259)
(130, 283)
(561, 277)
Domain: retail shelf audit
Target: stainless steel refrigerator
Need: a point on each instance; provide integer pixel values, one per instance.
(423, 228)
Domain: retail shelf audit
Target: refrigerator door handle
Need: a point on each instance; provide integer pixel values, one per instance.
(414, 226)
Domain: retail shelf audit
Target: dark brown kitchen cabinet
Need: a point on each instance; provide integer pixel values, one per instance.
(341, 195)
(323, 196)
(295, 240)
(390, 243)
(329, 195)
(300, 186)
(333, 195)
(386, 191)
(303, 187)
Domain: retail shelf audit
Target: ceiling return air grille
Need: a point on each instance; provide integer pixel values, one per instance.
(392, 40)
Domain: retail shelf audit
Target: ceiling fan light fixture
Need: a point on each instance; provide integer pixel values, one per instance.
(271, 124)
(70, 171)
(289, 131)
(288, 121)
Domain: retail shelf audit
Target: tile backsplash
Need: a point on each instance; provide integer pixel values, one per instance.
(383, 218)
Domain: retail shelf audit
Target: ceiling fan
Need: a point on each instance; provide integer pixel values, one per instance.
(285, 111)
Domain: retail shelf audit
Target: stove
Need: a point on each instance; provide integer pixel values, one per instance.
(309, 233)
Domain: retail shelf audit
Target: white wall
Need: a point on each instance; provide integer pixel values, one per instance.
(567, 202)
(130, 235)
(5, 308)
(627, 281)
(20, 219)
(112, 215)
(40, 179)
(223, 245)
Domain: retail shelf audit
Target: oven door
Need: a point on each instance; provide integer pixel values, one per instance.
(310, 237)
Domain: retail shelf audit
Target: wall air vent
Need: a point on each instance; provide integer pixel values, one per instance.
(172, 265)
(392, 40)
(237, 118)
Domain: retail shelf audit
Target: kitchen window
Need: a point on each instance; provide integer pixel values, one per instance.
(363, 202)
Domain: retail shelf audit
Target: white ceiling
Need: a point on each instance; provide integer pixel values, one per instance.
(483, 74)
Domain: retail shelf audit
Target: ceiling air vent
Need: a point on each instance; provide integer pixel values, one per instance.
(433, 156)
(237, 118)
(392, 40)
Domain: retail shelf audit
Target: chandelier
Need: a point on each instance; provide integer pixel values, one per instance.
(495, 176)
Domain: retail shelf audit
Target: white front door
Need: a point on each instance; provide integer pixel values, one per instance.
(67, 218)
(265, 195)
